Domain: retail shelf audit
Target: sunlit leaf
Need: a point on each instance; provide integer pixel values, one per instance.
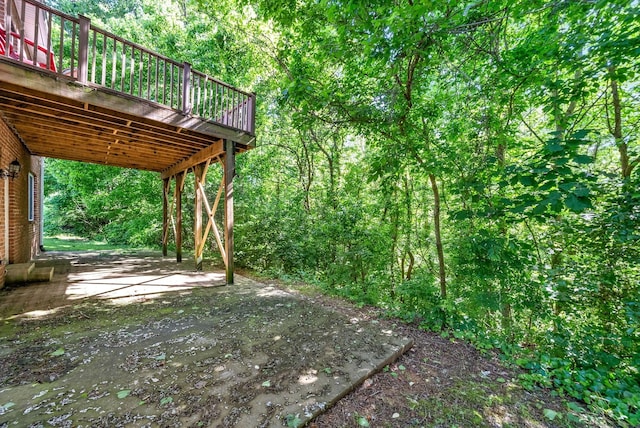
(550, 414)
(57, 352)
(123, 393)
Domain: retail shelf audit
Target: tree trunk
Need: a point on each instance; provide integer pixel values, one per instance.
(412, 261)
(436, 227)
(626, 165)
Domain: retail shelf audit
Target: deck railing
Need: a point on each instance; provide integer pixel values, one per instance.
(43, 37)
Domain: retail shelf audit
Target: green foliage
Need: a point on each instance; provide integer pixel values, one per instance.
(554, 178)
(614, 391)
(293, 421)
(504, 112)
(104, 203)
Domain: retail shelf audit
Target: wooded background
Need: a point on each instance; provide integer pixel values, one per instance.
(471, 166)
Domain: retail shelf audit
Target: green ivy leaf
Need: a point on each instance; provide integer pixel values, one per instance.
(581, 191)
(575, 407)
(554, 147)
(550, 414)
(527, 180)
(576, 204)
(57, 352)
(124, 393)
(583, 159)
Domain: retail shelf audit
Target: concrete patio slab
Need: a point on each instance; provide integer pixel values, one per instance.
(137, 340)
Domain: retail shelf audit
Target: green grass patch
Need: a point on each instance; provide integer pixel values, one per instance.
(74, 243)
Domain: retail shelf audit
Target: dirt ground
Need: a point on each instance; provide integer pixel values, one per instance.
(236, 356)
(443, 382)
(257, 354)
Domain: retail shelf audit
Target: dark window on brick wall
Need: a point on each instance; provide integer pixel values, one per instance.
(31, 197)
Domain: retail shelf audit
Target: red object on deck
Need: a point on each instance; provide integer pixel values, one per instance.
(16, 55)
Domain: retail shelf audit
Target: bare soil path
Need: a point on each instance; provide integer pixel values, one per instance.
(444, 382)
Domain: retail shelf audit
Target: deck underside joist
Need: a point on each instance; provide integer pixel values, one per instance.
(58, 118)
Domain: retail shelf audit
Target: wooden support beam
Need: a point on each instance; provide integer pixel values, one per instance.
(211, 224)
(229, 173)
(166, 184)
(212, 151)
(167, 213)
(200, 174)
(180, 179)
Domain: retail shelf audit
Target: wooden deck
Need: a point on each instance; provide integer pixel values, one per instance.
(90, 96)
(70, 90)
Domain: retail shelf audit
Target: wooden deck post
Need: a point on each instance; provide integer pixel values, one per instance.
(186, 88)
(166, 183)
(229, 173)
(178, 195)
(83, 49)
(198, 172)
(251, 112)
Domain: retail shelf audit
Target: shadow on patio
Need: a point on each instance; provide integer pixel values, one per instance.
(104, 275)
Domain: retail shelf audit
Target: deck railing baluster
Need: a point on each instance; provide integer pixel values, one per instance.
(83, 54)
(21, 32)
(73, 48)
(216, 110)
(93, 57)
(61, 47)
(133, 80)
(113, 63)
(149, 77)
(186, 88)
(164, 81)
(169, 84)
(104, 59)
(227, 105)
(132, 69)
(49, 26)
(140, 70)
(7, 35)
(123, 67)
(211, 96)
(198, 96)
(36, 37)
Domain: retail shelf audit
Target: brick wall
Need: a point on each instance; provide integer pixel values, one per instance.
(23, 233)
